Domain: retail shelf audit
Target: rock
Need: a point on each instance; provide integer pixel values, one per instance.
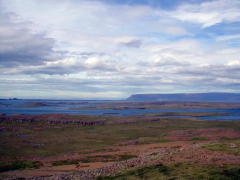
(232, 145)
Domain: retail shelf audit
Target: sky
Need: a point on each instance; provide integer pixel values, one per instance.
(110, 49)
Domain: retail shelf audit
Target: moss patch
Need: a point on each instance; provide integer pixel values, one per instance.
(19, 164)
(232, 147)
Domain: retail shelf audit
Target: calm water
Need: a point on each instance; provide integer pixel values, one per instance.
(67, 107)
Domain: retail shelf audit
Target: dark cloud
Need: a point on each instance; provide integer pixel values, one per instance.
(135, 43)
(75, 62)
(19, 46)
(53, 70)
(224, 71)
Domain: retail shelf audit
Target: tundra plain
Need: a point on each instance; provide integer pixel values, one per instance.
(164, 145)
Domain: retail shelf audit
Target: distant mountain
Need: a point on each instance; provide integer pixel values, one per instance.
(197, 97)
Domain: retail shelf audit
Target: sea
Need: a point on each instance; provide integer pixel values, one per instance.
(45, 106)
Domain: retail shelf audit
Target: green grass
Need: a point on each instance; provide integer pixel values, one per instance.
(179, 171)
(126, 157)
(199, 139)
(70, 138)
(65, 162)
(224, 147)
(146, 140)
(19, 164)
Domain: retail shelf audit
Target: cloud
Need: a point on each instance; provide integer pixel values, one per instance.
(209, 13)
(73, 63)
(18, 45)
(163, 67)
(130, 42)
(228, 37)
(117, 49)
(133, 43)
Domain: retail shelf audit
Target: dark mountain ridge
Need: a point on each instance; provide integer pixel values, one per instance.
(197, 97)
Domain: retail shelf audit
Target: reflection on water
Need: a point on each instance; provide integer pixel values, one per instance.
(32, 107)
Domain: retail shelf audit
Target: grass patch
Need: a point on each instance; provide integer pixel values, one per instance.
(228, 139)
(199, 139)
(65, 162)
(232, 147)
(162, 141)
(62, 139)
(19, 164)
(146, 140)
(126, 157)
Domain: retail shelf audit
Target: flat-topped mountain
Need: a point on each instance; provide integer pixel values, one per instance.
(198, 97)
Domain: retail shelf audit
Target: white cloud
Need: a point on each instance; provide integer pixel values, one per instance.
(121, 49)
(228, 37)
(209, 13)
(234, 63)
(92, 22)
